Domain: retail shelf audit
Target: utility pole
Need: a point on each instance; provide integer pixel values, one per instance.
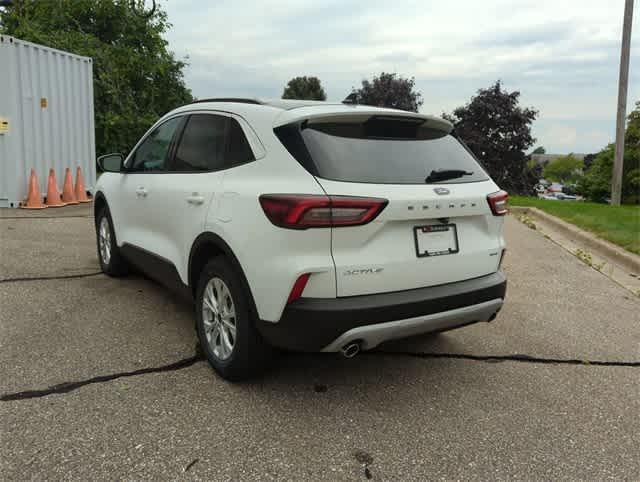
(616, 181)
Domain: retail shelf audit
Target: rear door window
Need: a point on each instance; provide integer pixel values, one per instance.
(202, 144)
(380, 151)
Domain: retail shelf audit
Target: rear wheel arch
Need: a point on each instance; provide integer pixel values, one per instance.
(207, 246)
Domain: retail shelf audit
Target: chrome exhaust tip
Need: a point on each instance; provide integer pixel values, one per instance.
(350, 349)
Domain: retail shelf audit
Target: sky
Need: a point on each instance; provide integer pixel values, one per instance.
(561, 55)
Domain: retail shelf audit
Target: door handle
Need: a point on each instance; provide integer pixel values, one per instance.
(195, 199)
(141, 192)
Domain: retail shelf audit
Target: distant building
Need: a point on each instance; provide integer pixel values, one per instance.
(543, 159)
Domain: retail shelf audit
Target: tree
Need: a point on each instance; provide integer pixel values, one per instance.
(389, 90)
(498, 132)
(565, 169)
(306, 88)
(596, 183)
(539, 150)
(588, 159)
(135, 78)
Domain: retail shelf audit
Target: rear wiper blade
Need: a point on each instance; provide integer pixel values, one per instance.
(445, 174)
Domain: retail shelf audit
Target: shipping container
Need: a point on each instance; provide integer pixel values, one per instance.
(46, 117)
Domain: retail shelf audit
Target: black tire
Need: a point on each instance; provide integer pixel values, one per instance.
(250, 354)
(116, 265)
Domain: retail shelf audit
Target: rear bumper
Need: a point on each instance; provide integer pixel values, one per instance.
(327, 324)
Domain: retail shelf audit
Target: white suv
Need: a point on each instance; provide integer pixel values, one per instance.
(311, 226)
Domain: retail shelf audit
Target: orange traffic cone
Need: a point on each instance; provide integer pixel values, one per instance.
(68, 196)
(53, 195)
(81, 193)
(34, 199)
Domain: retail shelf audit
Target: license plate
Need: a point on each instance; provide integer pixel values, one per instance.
(436, 240)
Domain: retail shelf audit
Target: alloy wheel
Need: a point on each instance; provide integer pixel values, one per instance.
(104, 240)
(219, 317)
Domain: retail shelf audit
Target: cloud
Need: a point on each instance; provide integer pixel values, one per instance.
(559, 134)
(562, 56)
(571, 135)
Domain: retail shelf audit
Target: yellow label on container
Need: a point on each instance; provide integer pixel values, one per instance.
(4, 125)
(43, 102)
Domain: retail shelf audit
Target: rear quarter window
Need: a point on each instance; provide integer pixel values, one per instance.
(238, 148)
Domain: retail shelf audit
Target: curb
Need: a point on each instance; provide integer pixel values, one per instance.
(624, 258)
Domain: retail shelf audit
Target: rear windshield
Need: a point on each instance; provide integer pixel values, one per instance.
(380, 152)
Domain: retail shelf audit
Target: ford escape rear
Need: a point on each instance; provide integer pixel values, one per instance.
(306, 225)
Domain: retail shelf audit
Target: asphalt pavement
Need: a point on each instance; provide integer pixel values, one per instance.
(100, 378)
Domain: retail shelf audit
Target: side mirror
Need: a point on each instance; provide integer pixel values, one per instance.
(110, 162)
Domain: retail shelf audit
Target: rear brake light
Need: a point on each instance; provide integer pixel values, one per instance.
(298, 287)
(302, 211)
(498, 203)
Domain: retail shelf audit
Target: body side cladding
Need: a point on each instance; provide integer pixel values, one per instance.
(158, 268)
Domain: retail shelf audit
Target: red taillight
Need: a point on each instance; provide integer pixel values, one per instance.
(298, 287)
(302, 211)
(498, 203)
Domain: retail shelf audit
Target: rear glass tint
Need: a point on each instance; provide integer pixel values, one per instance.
(202, 144)
(238, 149)
(380, 151)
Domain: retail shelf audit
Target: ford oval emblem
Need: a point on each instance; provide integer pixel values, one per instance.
(441, 190)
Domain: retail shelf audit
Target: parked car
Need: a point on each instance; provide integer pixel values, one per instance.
(558, 196)
(305, 225)
(566, 197)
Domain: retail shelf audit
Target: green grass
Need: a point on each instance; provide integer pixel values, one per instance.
(618, 224)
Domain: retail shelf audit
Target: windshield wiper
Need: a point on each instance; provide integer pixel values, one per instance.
(446, 174)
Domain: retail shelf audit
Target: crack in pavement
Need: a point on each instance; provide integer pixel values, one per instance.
(53, 277)
(502, 358)
(67, 387)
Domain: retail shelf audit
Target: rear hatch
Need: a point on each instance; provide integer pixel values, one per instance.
(438, 226)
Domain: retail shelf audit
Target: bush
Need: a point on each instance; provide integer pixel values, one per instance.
(596, 183)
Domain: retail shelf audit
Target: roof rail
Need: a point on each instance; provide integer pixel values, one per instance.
(229, 99)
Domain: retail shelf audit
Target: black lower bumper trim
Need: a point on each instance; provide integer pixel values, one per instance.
(310, 324)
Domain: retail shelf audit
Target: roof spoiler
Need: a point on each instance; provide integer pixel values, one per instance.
(362, 115)
(229, 99)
